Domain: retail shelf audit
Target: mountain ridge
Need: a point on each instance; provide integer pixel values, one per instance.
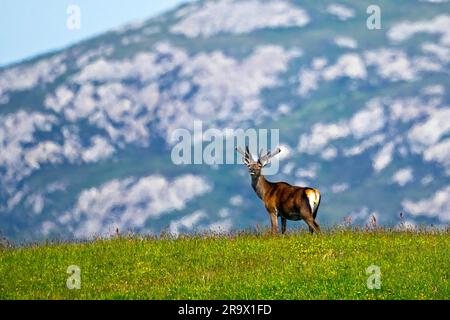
(85, 130)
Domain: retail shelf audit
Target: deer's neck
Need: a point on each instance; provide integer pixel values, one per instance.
(260, 185)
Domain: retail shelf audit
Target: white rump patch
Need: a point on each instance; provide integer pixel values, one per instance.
(313, 200)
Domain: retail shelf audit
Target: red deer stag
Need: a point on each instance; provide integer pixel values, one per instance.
(280, 198)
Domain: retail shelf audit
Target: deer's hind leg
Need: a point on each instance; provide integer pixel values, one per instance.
(317, 225)
(313, 226)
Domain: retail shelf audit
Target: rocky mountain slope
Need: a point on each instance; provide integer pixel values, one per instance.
(364, 115)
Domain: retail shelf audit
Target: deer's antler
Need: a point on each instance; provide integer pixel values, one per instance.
(247, 156)
(265, 158)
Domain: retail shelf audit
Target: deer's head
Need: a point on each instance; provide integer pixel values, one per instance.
(254, 167)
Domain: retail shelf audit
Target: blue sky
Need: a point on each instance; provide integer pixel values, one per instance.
(29, 27)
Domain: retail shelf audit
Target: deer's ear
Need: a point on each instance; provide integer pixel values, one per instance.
(263, 158)
(262, 163)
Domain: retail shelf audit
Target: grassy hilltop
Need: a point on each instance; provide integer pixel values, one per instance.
(414, 265)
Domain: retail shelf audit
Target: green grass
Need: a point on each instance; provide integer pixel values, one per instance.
(414, 265)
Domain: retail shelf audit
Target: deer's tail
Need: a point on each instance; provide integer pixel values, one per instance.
(317, 208)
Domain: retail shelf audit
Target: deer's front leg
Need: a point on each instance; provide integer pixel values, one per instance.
(273, 220)
(283, 225)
